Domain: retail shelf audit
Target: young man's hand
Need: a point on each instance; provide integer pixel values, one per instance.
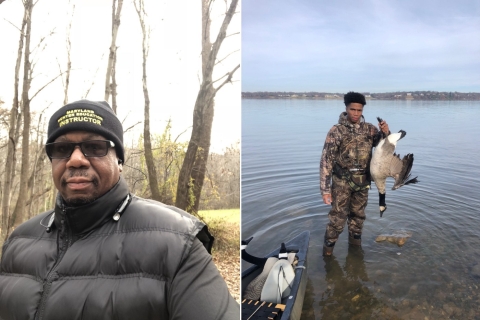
(327, 198)
(384, 127)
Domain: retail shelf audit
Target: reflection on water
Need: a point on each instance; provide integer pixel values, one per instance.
(436, 274)
(346, 294)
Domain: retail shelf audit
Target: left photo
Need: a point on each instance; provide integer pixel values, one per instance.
(120, 159)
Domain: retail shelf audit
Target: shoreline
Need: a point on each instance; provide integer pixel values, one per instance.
(341, 99)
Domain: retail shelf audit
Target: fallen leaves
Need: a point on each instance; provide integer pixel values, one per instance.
(229, 267)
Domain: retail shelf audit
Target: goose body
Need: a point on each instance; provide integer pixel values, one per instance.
(386, 163)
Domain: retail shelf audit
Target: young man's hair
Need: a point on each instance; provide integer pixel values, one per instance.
(354, 97)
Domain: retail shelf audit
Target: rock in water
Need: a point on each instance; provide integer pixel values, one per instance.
(398, 237)
(476, 270)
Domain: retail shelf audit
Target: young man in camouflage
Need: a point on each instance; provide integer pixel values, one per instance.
(344, 176)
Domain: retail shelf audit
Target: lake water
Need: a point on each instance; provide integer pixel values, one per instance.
(436, 274)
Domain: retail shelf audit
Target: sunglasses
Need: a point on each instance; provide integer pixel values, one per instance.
(91, 148)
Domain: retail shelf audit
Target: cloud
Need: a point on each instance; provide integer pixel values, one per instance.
(328, 46)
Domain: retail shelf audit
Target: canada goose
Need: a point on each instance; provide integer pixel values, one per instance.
(386, 163)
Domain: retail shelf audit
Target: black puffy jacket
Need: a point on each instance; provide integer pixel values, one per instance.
(149, 264)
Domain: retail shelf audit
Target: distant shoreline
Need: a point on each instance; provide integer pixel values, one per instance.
(414, 95)
(341, 99)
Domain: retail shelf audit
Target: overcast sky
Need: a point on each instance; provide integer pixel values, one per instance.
(174, 61)
(368, 46)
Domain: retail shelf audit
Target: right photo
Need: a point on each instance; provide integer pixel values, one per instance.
(359, 160)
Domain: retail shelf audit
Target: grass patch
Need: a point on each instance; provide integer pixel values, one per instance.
(227, 215)
(224, 225)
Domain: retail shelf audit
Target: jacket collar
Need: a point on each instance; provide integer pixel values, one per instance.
(85, 218)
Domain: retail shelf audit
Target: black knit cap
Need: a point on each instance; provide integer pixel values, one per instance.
(90, 116)
(354, 97)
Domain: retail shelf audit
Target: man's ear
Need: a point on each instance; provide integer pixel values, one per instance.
(120, 165)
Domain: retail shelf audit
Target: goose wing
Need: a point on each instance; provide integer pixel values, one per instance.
(400, 170)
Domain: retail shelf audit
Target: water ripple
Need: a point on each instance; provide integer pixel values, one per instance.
(281, 147)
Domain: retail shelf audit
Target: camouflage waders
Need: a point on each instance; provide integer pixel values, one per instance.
(344, 167)
(349, 206)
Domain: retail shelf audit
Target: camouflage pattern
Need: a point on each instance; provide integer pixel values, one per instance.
(350, 145)
(347, 206)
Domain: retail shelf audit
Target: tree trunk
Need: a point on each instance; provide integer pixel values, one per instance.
(12, 137)
(147, 144)
(200, 164)
(114, 84)
(192, 174)
(19, 211)
(38, 164)
(116, 10)
(69, 61)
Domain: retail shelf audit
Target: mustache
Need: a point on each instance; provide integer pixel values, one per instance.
(78, 173)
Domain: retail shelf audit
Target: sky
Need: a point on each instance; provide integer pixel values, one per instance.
(368, 46)
(173, 66)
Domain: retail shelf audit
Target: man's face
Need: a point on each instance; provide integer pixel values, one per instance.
(81, 180)
(354, 112)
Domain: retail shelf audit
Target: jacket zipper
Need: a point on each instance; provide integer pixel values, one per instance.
(53, 275)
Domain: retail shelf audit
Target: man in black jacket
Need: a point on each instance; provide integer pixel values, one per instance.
(104, 253)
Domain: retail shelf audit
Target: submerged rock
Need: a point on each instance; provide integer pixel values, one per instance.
(476, 270)
(398, 237)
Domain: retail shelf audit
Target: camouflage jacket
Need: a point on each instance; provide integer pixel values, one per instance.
(350, 145)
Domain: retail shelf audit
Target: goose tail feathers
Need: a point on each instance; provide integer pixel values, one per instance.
(412, 181)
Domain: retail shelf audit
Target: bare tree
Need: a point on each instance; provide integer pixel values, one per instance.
(152, 174)
(13, 133)
(110, 82)
(17, 215)
(20, 213)
(38, 166)
(221, 189)
(68, 45)
(192, 174)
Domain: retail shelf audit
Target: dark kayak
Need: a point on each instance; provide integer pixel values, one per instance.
(291, 306)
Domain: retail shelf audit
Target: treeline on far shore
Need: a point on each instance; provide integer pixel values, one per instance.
(399, 95)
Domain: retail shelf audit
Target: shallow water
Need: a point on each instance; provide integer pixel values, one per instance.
(436, 274)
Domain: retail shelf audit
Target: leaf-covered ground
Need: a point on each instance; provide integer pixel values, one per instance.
(229, 267)
(225, 227)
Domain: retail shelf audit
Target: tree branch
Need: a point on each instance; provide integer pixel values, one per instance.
(229, 78)
(126, 165)
(37, 195)
(132, 126)
(93, 81)
(223, 29)
(232, 34)
(14, 25)
(219, 61)
(180, 134)
(48, 83)
(60, 69)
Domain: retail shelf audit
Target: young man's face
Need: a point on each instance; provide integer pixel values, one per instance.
(81, 180)
(354, 112)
